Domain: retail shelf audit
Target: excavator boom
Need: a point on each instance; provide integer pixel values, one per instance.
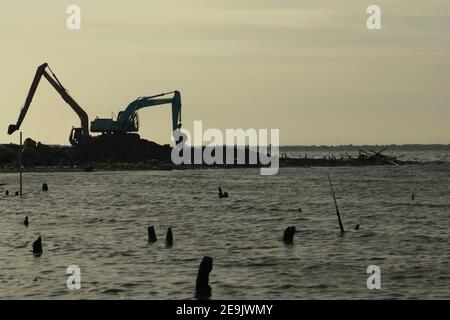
(81, 132)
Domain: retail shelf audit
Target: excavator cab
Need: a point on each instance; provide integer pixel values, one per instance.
(135, 123)
(130, 122)
(78, 136)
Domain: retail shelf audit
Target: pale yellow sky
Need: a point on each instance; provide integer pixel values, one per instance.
(308, 67)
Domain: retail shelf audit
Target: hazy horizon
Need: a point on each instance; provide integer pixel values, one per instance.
(309, 68)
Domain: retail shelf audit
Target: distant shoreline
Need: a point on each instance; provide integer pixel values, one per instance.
(404, 145)
(46, 158)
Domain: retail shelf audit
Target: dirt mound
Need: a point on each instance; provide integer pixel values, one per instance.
(103, 148)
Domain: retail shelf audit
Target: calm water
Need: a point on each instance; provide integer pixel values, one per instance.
(99, 222)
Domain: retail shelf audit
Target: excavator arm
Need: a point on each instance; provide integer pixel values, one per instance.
(143, 102)
(41, 71)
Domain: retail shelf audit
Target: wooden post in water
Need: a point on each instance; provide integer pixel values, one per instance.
(341, 226)
(20, 165)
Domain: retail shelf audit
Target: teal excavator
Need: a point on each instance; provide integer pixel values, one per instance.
(128, 120)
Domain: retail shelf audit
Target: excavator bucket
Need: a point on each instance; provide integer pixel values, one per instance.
(176, 110)
(12, 128)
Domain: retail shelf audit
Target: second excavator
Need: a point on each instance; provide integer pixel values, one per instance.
(128, 120)
(118, 138)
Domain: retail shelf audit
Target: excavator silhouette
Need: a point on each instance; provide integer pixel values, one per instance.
(117, 137)
(128, 120)
(77, 135)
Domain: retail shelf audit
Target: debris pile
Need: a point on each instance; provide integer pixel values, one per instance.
(364, 158)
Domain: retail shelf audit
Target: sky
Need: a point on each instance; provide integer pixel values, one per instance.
(310, 68)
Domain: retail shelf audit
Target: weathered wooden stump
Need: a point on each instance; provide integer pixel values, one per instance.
(222, 194)
(37, 247)
(169, 237)
(288, 235)
(151, 234)
(202, 287)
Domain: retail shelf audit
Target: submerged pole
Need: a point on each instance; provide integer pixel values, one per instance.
(20, 165)
(151, 234)
(169, 237)
(341, 226)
